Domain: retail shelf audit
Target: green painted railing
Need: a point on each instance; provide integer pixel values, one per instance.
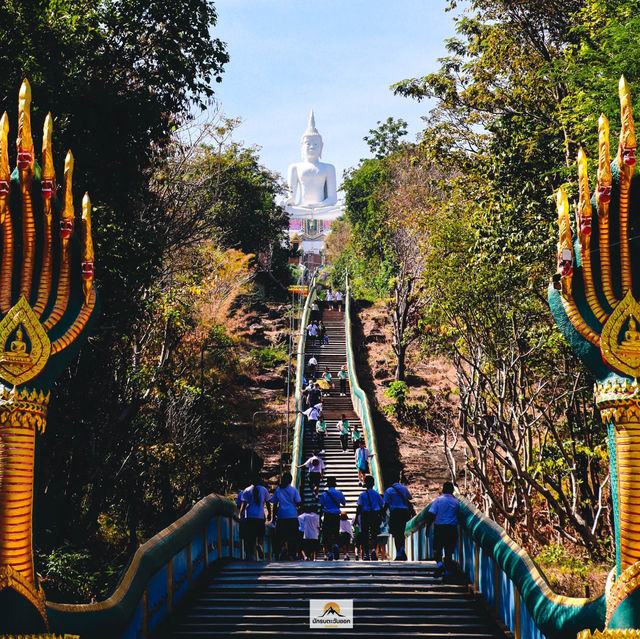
(298, 429)
(160, 575)
(359, 398)
(507, 578)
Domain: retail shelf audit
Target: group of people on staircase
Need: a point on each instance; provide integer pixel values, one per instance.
(337, 530)
(298, 529)
(325, 384)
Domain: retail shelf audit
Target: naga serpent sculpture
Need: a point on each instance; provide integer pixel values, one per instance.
(593, 299)
(47, 300)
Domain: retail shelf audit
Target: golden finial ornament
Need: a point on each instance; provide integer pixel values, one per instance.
(24, 141)
(603, 193)
(48, 172)
(584, 211)
(626, 152)
(87, 249)
(66, 216)
(565, 248)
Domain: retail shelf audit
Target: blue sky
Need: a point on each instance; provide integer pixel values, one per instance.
(338, 57)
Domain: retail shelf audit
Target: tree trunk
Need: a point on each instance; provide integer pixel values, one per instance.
(400, 367)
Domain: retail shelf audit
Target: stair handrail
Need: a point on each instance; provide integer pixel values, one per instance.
(298, 429)
(359, 398)
(160, 574)
(504, 574)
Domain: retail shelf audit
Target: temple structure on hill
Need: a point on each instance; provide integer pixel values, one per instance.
(312, 201)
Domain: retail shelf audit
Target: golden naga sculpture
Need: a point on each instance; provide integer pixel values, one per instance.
(595, 304)
(47, 299)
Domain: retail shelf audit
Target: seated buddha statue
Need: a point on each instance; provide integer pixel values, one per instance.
(631, 336)
(312, 183)
(17, 353)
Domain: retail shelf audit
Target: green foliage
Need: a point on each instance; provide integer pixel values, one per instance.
(559, 557)
(365, 210)
(522, 86)
(385, 140)
(269, 358)
(69, 576)
(398, 392)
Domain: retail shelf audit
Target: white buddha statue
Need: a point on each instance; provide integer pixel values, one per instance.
(312, 184)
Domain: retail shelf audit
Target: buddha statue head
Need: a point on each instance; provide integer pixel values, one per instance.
(311, 141)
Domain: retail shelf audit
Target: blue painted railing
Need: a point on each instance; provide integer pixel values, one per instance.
(161, 573)
(507, 578)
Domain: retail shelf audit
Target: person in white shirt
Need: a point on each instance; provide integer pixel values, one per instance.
(310, 526)
(339, 300)
(313, 364)
(329, 299)
(346, 534)
(343, 430)
(315, 470)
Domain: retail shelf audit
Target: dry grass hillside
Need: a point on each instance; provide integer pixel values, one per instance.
(416, 449)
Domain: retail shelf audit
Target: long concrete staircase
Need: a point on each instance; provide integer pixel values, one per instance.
(338, 464)
(389, 600)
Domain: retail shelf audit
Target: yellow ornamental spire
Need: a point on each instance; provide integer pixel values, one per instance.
(87, 249)
(24, 142)
(584, 211)
(47, 155)
(66, 221)
(565, 248)
(626, 153)
(603, 193)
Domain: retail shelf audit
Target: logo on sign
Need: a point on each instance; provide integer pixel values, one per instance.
(336, 613)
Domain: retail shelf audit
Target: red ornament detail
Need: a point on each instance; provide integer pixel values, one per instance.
(4, 187)
(87, 270)
(25, 159)
(604, 193)
(48, 188)
(66, 228)
(629, 155)
(565, 268)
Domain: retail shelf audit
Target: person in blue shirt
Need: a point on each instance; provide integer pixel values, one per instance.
(286, 500)
(397, 499)
(254, 498)
(444, 513)
(330, 502)
(370, 505)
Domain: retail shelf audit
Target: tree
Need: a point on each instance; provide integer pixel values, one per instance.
(117, 77)
(509, 116)
(385, 140)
